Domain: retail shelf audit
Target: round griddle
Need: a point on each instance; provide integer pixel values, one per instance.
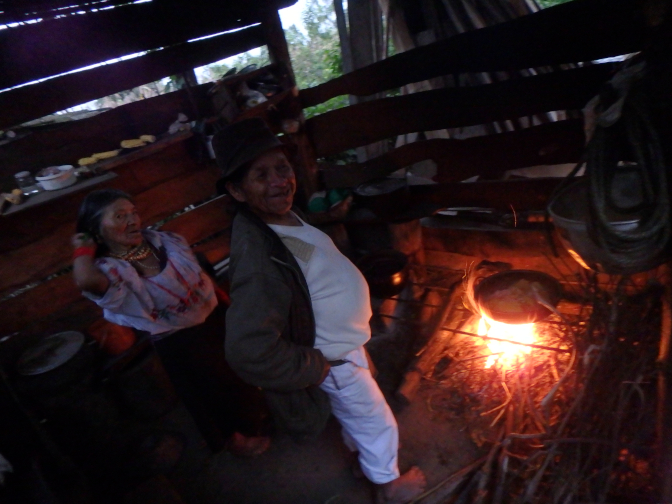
(546, 292)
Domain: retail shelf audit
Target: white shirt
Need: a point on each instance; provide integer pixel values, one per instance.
(338, 291)
(180, 296)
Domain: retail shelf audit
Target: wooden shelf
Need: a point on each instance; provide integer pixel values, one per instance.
(141, 152)
(102, 169)
(47, 196)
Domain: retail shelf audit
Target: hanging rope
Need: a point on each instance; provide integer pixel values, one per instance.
(631, 137)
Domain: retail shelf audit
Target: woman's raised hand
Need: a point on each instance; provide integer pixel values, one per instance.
(87, 276)
(83, 240)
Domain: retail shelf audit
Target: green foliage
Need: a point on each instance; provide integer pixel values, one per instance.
(316, 54)
(240, 62)
(333, 104)
(550, 3)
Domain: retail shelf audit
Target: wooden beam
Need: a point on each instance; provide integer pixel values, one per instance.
(37, 100)
(25, 10)
(523, 245)
(52, 47)
(521, 194)
(49, 250)
(304, 160)
(274, 34)
(415, 202)
(365, 123)
(65, 143)
(217, 249)
(488, 156)
(203, 221)
(581, 30)
(135, 178)
(39, 302)
(77, 316)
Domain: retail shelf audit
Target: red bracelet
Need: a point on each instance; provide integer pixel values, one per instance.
(84, 251)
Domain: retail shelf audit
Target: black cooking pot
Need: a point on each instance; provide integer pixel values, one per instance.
(386, 272)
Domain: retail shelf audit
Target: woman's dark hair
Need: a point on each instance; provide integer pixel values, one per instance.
(91, 211)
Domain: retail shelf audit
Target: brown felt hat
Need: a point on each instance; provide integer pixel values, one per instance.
(241, 142)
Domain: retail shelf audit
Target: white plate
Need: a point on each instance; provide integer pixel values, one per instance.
(50, 353)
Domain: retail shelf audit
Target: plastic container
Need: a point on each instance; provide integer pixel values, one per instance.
(386, 272)
(56, 177)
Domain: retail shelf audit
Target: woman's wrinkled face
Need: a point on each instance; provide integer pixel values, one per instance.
(121, 225)
(269, 186)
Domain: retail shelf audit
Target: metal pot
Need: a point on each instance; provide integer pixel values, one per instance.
(385, 271)
(570, 212)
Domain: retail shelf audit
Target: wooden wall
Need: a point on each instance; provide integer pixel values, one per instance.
(575, 33)
(37, 293)
(36, 241)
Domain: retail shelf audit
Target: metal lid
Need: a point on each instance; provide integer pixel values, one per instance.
(50, 353)
(22, 174)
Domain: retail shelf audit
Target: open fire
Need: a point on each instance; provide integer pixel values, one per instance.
(504, 353)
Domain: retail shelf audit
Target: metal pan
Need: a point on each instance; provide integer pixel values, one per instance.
(518, 296)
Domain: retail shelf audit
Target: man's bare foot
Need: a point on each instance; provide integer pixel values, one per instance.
(403, 489)
(244, 446)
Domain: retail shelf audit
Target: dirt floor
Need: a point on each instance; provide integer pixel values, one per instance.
(321, 472)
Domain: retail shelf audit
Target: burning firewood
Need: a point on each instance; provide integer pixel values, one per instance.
(571, 420)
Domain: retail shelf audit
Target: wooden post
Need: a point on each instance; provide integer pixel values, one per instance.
(305, 162)
(343, 36)
(366, 40)
(344, 39)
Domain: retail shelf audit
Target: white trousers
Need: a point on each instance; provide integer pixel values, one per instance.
(367, 420)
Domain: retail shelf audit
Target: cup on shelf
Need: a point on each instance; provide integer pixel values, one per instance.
(26, 183)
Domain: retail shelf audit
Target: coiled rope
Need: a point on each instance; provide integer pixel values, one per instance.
(633, 136)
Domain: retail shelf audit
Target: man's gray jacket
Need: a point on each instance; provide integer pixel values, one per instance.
(270, 328)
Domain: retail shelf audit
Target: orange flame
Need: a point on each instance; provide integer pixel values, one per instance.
(503, 353)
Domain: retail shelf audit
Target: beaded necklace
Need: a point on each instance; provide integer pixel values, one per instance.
(137, 253)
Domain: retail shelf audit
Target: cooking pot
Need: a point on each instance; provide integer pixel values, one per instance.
(570, 212)
(386, 272)
(518, 296)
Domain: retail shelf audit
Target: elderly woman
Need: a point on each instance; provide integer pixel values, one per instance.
(300, 311)
(151, 281)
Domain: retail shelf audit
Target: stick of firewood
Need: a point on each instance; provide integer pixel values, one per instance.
(434, 347)
(441, 490)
